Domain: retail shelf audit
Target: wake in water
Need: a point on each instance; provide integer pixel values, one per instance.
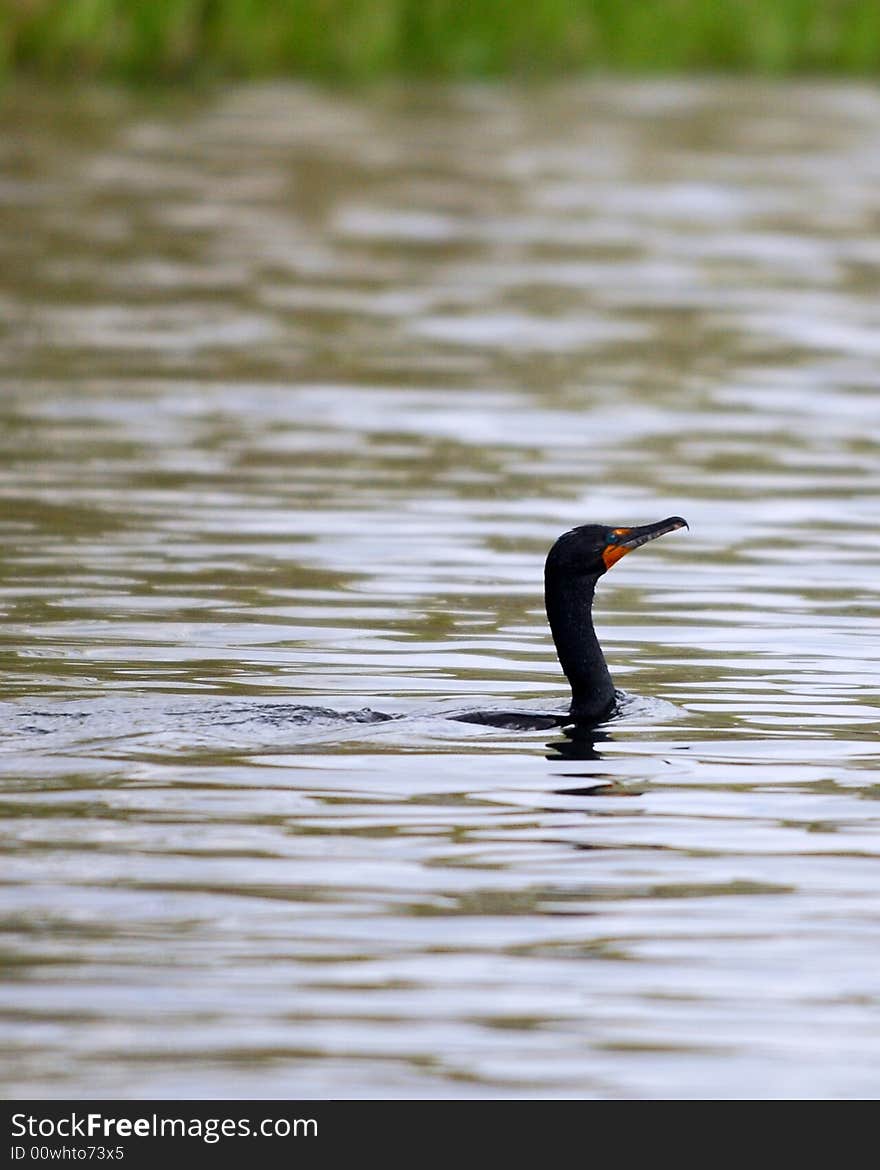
(121, 725)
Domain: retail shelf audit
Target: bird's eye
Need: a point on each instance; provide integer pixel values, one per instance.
(612, 538)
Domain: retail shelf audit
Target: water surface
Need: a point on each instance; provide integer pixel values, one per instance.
(298, 388)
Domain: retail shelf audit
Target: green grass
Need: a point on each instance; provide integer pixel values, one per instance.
(363, 39)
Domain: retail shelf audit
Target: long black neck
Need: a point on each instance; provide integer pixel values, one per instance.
(569, 602)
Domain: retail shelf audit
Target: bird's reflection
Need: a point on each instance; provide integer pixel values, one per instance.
(580, 744)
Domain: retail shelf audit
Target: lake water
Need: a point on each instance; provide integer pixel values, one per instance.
(298, 389)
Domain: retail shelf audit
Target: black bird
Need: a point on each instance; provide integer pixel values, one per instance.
(574, 564)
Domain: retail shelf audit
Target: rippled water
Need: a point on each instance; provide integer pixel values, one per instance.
(299, 387)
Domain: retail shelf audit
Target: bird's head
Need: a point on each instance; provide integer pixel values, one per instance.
(591, 550)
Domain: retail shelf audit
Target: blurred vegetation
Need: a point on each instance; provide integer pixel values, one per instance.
(360, 39)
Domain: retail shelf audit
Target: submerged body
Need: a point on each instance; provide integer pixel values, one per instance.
(574, 564)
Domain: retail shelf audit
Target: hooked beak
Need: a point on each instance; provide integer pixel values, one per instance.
(626, 539)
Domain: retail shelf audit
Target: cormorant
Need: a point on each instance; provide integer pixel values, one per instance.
(574, 564)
